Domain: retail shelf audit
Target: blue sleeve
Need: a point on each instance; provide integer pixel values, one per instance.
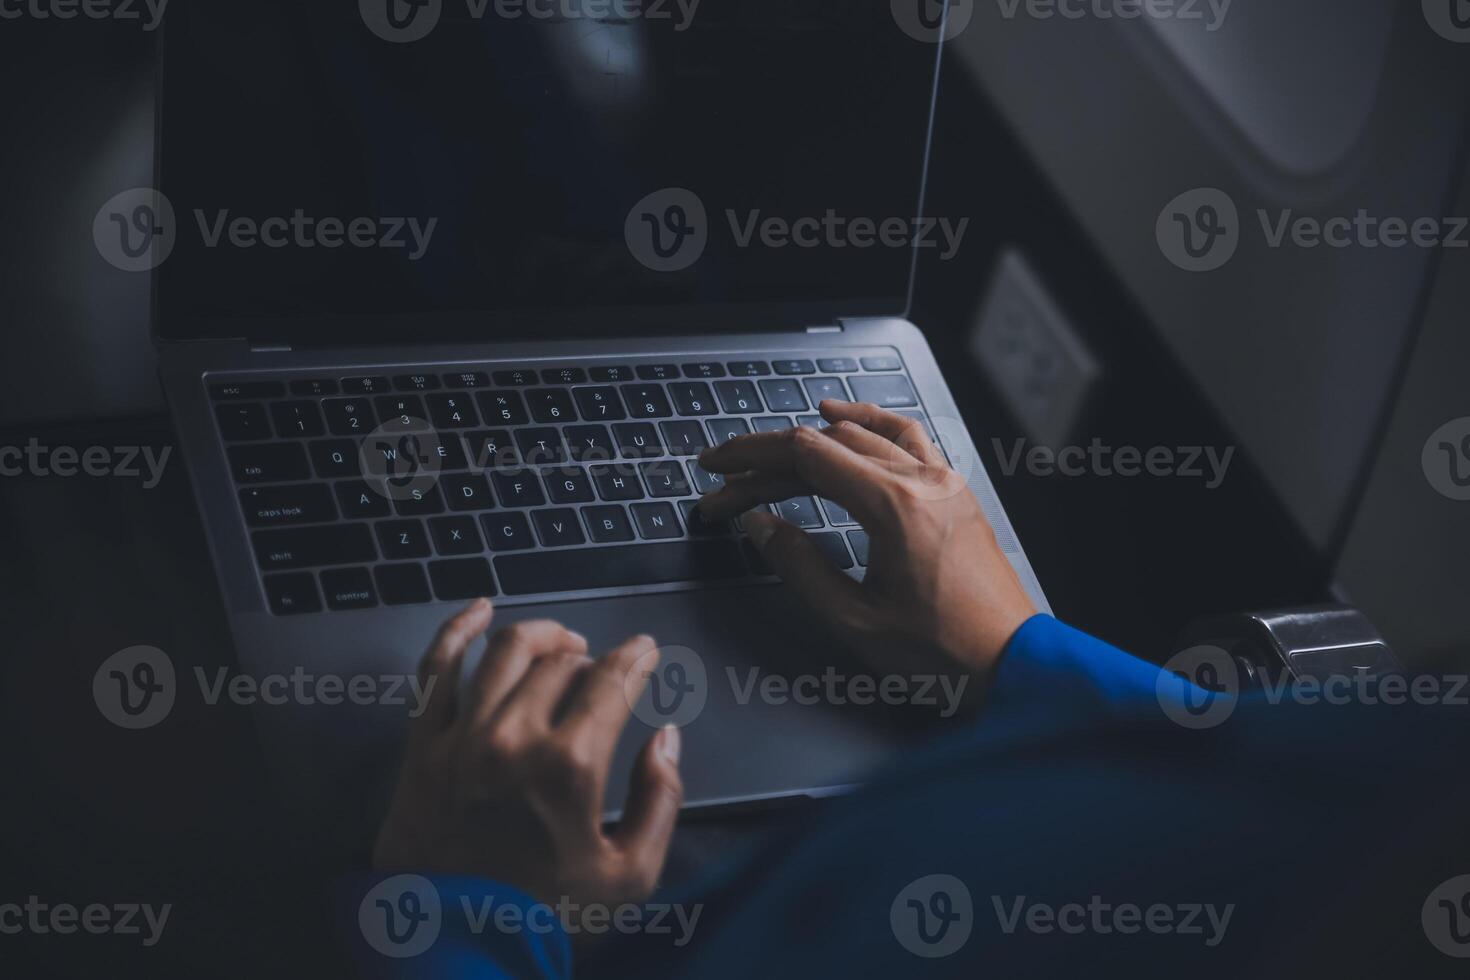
(411, 926)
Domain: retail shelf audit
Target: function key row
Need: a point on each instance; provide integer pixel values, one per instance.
(524, 378)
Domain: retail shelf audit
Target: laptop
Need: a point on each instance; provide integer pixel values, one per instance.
(448, 309)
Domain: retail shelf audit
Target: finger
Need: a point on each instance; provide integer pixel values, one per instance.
(439, 670)
(508, 656)
(868, 443)
(741, 493)
(906, 433)
(542, 688)
(802, 566)
(600, 707)
(807, 456)
(648, 821)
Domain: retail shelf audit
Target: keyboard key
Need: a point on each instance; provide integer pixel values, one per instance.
(551, 405)
(684, 438)
(837, 365)
(365, 386)
(492, 449)
(823, 389)
(784, 396)
(860, 544)
(705, 369)
(269, 463)
(518, 489)
(402, 457)
(349, 416)
(308, 503)
(693, 398)
(458, 581)
(772, 424)
(612, 373)
(590, 444)
(812, 421)
(600, 404)
(402, 585)
(656, 521)
(564, 376)
(303, 547)
(722, 431)
(558, 528)
(608, 524)
(402, 539)
(890, 392)
(466, 379)
(243, 422)
(292, 594)
(466, 491)
(831, 545)
(540, 447)
(452, 412)
(699, 526)
(455, 536)
(401, 413)
(739, 397)
(335, 457)
(569, 486)
(794, 367)
(658, 372)
(315, 387)
(882, 364)
(349, 588)
(235, 390)
(705, 481)
(637, 440)
(646, 402)
(515, 379)
(507, 532)
(361, 500)
(418, 501)
(665, 478)
(711, 559)
(749, 369)
(447, 451)
(297, 420)
(801, 511)
(416, 382)
(617, 483)
(837, 515)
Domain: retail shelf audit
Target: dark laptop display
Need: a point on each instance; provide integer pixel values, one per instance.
(494, 165)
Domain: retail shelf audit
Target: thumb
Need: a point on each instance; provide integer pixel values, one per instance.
(648, 821)
(802, 566)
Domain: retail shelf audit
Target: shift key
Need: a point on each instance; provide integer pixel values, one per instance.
(306, 547)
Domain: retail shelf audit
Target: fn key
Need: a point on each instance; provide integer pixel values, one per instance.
(290, 594)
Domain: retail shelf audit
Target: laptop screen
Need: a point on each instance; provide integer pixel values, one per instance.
(348, 172)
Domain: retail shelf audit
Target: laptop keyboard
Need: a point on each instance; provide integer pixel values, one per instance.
(409, 486)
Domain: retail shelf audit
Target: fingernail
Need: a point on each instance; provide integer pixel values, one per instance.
(760, 527)
(670, 742)
(479, 605)
(577, 635)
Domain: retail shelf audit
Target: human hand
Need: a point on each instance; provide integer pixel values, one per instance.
(505, 780)
(938, 591)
